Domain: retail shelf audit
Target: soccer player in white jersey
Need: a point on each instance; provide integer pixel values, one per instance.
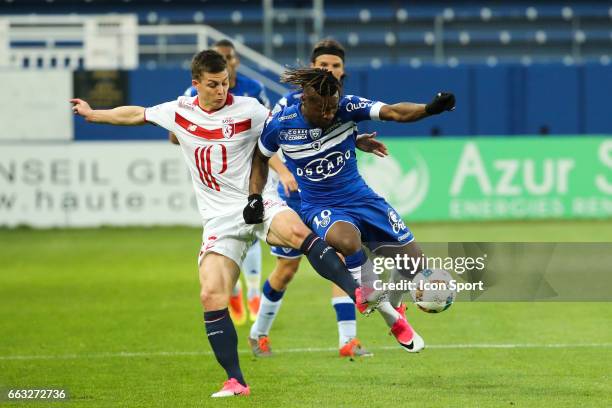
(240, 85)
(218, 133)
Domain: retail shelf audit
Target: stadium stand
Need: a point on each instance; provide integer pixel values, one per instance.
(383, 32)
(513, 54)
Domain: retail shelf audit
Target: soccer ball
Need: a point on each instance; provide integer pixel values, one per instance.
(434, 292)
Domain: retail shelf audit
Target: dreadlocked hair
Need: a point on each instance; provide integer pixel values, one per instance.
(321, 80)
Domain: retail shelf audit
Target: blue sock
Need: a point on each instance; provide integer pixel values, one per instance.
(326, 263)
(224, 342)
(270, 293)
(344, 311)
(356, 260)
(354, 264)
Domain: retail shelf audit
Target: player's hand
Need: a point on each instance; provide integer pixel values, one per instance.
(443, 101)
(81, 108)
(254, 210)
(366, 142)
(288, 182)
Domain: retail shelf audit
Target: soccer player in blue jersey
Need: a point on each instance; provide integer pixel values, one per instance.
(240, 85)
(317, 137)
(326, 54)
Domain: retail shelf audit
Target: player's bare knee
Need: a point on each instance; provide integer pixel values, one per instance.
(347, 245)
(287, 272)
(213, 299)
(283, 280)
(299, 233)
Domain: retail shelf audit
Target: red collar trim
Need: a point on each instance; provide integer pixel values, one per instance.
(228, 101)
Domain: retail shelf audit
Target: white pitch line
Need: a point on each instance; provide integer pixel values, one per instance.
(131, 354)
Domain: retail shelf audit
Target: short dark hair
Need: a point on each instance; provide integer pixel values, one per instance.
(224, 43)
(327, 47)
(207, 61)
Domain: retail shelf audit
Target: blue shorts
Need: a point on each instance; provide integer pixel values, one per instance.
(378, 223)
(282, 252)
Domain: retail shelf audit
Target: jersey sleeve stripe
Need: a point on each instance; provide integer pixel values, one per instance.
(264, 150)
(375, 110)
(227, 131)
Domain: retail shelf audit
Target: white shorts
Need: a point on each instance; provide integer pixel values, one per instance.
(230, 236)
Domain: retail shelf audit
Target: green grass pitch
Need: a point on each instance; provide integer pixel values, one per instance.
(113, 316)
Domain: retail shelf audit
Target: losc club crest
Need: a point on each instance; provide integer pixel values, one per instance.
(229, 128)
(315, 133)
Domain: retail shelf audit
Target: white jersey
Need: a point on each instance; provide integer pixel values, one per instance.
(218, 147)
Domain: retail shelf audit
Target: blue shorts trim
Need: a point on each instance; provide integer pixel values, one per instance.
(287, 253)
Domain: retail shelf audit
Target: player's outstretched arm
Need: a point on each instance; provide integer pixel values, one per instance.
(123, 115)
(254, 210)
(411, 112)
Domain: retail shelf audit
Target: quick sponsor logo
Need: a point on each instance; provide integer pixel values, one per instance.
(351, 106)
(324, 167)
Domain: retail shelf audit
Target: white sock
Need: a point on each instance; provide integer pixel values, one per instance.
(347, 331)
(396, 296)
(251, 267)
(356, 274)
(267, 313)
(345, 316)
(388, 313)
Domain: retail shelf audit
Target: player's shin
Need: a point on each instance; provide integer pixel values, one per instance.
(224, 342)
(396, 296)
(326, 263)
(270, 304)
(251, 267)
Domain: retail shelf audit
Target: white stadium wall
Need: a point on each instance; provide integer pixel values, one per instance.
(92, 184)
(35, 105)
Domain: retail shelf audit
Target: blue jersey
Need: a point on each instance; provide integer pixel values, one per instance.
(323, 162)
(245, 86)
(289, 99)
